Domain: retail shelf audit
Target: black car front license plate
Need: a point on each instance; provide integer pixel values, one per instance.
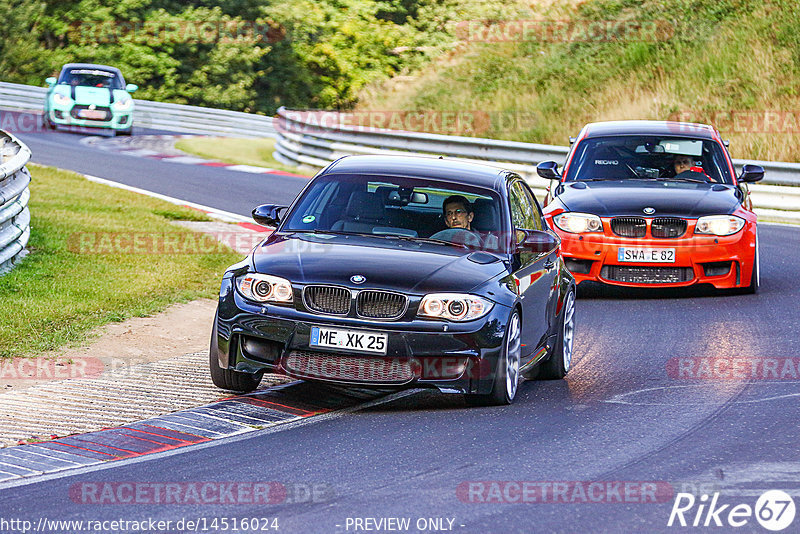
(350, 340)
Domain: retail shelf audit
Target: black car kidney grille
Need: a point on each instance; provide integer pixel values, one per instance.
(381, 304)
(357, 369)
(668, 227)
(629, 226)
(327, 299)
(647, 275)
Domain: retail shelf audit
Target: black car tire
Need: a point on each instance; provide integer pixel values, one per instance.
(126, 133)
(228, 378)
(558, 365)
(46, 124)
(506, 373)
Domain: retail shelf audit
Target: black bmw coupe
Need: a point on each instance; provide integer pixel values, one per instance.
(400, 271)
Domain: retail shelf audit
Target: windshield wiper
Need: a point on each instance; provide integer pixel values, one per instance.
(330, 232)
(682, 180)
(391, 236)
(425, 240)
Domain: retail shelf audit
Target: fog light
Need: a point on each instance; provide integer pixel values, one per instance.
(261, 349)
(578, 266)
(717, 268)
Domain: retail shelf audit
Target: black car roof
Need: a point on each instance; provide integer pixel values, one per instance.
(94, 66)
(458, 172)
(679, 129)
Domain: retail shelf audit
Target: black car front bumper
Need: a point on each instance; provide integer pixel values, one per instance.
(454, 357)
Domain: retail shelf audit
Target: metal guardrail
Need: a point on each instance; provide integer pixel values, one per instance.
(15, 218)
(318, 142)
(301, 142)
(157, 115)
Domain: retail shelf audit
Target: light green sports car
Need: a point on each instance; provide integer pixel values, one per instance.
(90, 95)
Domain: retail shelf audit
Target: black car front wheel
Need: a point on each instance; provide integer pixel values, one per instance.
(228, 378)
(506, 375)
(560, 361)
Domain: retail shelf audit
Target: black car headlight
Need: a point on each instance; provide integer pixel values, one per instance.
(454, 306)
(264, 288)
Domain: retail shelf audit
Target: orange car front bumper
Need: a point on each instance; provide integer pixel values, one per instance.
(722, 261)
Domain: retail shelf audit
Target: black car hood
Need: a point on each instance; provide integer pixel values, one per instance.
(630, 197)
(386, 263)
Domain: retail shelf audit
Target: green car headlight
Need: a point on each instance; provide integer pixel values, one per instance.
(124, 104)
(62, 100)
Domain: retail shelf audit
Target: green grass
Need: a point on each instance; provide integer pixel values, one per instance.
(238, 151)
(708, 59)
(58, 294)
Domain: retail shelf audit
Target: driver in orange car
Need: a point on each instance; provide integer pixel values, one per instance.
(685, 168)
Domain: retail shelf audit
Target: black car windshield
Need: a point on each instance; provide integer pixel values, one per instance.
(92, 78)
(400, 208)
(641, 157)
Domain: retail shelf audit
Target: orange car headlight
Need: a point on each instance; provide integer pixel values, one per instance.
(719, 225)
(578, 223)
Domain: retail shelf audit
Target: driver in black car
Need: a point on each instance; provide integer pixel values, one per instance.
(458, 215)
(457, 212)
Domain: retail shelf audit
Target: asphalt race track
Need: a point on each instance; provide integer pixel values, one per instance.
(645, 407)
(236, 192)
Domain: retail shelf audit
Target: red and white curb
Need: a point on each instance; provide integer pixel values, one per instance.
(172, 155)
(236, 415)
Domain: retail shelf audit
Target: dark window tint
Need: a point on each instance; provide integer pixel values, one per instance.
(640, 157)
(92, 78)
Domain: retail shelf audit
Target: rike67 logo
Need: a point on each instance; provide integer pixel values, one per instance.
(774, 510)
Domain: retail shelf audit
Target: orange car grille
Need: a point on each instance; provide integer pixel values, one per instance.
(647, 275)
(629, 226)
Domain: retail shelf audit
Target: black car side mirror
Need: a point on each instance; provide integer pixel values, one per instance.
(548, 170)
(268, 214)
(751, 173)
(537, 241)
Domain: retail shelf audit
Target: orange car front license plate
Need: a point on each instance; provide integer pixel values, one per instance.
(646, 255)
